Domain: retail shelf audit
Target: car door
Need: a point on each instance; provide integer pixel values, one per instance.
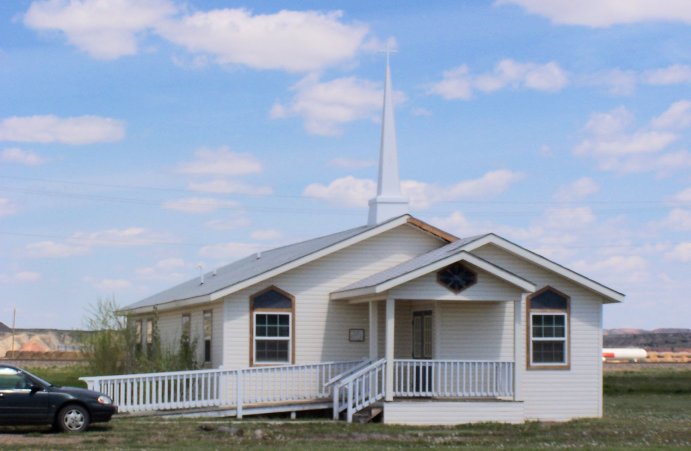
(19, 403)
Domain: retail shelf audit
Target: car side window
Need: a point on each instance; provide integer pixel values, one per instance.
(13, 380)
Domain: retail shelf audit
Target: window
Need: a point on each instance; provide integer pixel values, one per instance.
(186, 327)
(208, 328)
(138, 336)
(272, 327)
(11, 379)
(149, 334)
(548, 314)
(456, 277)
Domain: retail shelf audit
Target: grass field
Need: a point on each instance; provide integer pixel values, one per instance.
(646, 409)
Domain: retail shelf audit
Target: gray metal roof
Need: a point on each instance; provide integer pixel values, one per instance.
(247, 268)
(413, 264)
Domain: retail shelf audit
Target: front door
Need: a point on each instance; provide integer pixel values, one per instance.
(422, 334)
(422, 349)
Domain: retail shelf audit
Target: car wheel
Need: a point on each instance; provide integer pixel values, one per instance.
(73, 418)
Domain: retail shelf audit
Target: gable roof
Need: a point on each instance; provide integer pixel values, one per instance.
(609, 294)
(261, 266)
(461, 250)
(425, 264)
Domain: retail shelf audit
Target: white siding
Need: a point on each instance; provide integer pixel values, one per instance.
(170, 329)
(475, 330)
(487, 288)
(561, 394)
(451, 413)
(321, 330)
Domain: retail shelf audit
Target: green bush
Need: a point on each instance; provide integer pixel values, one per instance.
(110, 347)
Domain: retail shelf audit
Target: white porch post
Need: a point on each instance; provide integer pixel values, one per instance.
(373, 330)
(390, 322)
(518, 348)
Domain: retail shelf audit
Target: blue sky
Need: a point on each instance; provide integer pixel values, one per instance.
(139, 139)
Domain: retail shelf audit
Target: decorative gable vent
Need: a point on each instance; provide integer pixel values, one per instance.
(456, 277)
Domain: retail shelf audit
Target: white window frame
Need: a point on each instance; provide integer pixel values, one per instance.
(289, 339)
(564, 339)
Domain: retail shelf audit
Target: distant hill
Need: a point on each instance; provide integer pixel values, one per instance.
(661, 340)
(38, 340)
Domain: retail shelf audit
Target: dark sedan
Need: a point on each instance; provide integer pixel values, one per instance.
(28, 399)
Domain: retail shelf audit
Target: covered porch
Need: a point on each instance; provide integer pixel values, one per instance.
(448, 331)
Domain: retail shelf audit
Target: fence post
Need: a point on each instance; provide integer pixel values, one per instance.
(349, 416)
(238, 394)
(336, 394)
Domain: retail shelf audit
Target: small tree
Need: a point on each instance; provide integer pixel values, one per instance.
(106, 343)
(111, 348)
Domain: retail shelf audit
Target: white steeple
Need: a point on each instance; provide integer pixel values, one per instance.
(389, 202)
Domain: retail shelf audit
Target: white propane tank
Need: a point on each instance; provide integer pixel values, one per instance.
(624, 354)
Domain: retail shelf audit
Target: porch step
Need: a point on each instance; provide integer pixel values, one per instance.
(368, 414)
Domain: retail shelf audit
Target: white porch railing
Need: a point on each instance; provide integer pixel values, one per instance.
(359, 390)
(219, 387)
(453, 378)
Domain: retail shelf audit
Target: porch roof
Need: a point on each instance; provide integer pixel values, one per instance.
(425, 264)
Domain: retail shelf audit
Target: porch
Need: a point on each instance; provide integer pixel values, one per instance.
(345, 387)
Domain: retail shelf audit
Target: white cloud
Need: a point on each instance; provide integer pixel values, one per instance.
(27, 276)
(671, 75)
(457, 223)
(295, 41)
(20, 277)
(662, 165)
(681, 252)
(7, 207)
(221, 161)
(266, 235)
(348, 163)
(81, 243)
(19, 156)
(617, 146)
(130, 236)
(108, 284)
(577, 190)
(52, 129)
(230, 187)
(238, 222)
(459, 83)
(677, 116)
(103, 29)
(678, 219)
(617, 81)
(604, 13)
(229, 251)
(683, 196)
(626, 267)
(568, 218)
(326, 106)
(168, 270)
(353, 192)
(45, 249)
(198, 205)
(419, 111)
(346, 191)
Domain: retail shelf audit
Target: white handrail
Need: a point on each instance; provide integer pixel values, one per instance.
(339, 377)
(453, 378)
(359, 390)
(219, 387)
